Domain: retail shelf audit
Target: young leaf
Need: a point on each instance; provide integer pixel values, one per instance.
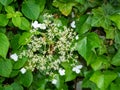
(3, 20)
(4, 45)
(5, 68)
(5, 2)
(16, 21)
(31, 9)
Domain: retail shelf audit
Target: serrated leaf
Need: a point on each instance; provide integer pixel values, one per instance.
(5, 2)
(3, 20)
(31, 9)
(4, 45)
(5, 68)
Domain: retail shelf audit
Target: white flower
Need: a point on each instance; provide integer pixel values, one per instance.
(42, 26)
(61, 72)
(23, 70)
(35, 24)
(54, 81)
(77, 69)
(77, 37)
(73, 24)
(14, 57)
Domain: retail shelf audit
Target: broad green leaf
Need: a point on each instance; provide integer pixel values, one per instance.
(4, 45)
(26, 79)
(114, 86)
(115, 18)
(116, 59)
(16, 21)
(42, 84)
(5, 68)
(9, 9)
(8, 87)
(83, 24)
(69, 75)
(5, 2)
(16, 86)
(103, 79)
(3, 20)
(100, 18)
(25, 24)
(31, 9)
(87, 44)
(65, 7)
(19, 64)
(24, 38)
(41, 4)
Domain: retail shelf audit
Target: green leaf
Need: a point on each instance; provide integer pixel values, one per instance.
(42, 84)
(117, 39)
(24, 38)
(100, 18)
(87, 44)
(16, 21)
(115, 18)
(83, 24)
(8, 87)
(103, 80)
(20, 63)
(5, 68)
(69, 75)
(110, 33)
(26, 79)
(65, 7)
(114, 87)
(25, 24)
(5, 2)
(16, 86)
(116, 59)
(9, 9)
(4, 45)
(41, 4)
(31, 9)
(3, 20)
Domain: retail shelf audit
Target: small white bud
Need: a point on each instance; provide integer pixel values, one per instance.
(23, 70)
(54, 81)
(61, 72)
(42, 26)
(14, 57)
(73, 24)
(35, 24)
(77, 37)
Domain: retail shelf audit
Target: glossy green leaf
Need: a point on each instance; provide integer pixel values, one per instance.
(115, 18)
(5, 2)
(116, 59)
(103, 80)
(26, 79)
(31, 9)
(3, 20)
(5, 68)
(87, 44)
(83, 24)
(65, 7)
(100, 18)
(4, 45)
(16, 21)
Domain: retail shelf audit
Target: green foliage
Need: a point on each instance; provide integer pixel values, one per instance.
(5, 2)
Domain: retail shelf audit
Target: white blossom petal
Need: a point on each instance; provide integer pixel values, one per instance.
(14, 57)
(77, 37)
(42, 26)
(77, 71)
(61, 72)
(54, 81)
(23, 70)
(73, 24)
(79, 66)
(73, 14)
(35, 24)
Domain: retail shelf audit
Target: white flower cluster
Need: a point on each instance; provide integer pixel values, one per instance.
(50, 47)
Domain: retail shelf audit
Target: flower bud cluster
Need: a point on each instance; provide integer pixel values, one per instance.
(50, 47)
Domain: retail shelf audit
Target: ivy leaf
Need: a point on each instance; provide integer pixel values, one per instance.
(5, 2)
(103, 80)
(83, 24)
(26, 79)
(115, 18)
(116, 59)
(31, 9)
(5, 68)
(87, 44)
(4, 45)
(100, 19)
(65, 7)
(3, 20)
